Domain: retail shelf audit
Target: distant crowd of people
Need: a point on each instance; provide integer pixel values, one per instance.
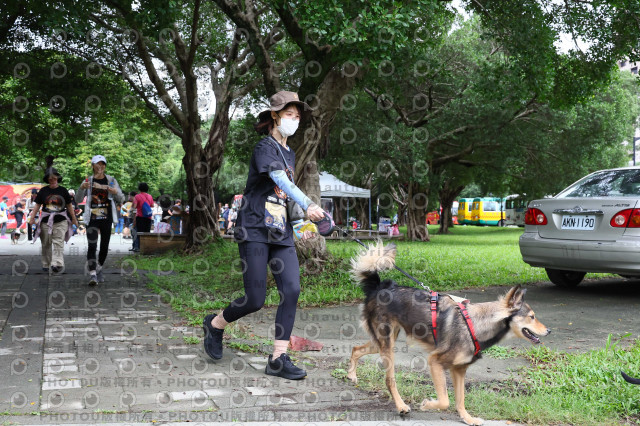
(54, 214)
(227, 218)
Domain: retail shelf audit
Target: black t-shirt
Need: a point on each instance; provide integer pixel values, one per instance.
(54, 201)
(100, 203)
(18, 215)
(262, 216)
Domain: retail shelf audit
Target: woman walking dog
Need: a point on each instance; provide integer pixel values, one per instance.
(264, 235)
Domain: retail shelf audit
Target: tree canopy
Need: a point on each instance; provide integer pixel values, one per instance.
(470, 114)
(418, 84)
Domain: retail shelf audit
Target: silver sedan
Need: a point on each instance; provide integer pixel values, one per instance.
(592, 226)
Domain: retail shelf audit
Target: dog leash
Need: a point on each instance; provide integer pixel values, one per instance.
(433, 296)
(326, 225)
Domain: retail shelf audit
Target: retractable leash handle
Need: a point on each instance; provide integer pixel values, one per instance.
(326, 226)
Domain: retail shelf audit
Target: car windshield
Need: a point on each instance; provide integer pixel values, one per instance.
(607, 183)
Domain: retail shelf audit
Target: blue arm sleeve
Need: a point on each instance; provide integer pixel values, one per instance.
(281, 179)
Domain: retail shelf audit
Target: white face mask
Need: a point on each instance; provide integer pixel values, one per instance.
(288, 126)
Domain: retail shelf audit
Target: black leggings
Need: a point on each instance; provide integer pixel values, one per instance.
(103, 228)
(283, 262)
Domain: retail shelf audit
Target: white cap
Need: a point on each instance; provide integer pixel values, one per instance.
(98, 158)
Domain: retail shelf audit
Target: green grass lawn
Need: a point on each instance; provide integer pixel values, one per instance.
(468, 257)
(557, 388)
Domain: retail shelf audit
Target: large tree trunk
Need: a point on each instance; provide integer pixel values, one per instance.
(401, 199)
(447, 196)
(417, 213)
(362, 212)
(312, 254)
(313, 136)
(202, 222)
(200, 164)
(311, 141)
(402, 216)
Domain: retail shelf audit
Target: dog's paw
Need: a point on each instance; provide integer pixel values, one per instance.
(353, 378)
(473, 420)
(403, 409)
(433, 404)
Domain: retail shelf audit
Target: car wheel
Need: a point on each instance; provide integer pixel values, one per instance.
(563, 278)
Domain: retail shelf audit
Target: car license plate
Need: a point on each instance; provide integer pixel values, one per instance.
(579, 222)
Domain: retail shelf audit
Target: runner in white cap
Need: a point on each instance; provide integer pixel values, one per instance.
(98, 158)
(103, 193)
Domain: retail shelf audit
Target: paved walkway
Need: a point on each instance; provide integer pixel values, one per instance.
(77, 246)
(117, 354)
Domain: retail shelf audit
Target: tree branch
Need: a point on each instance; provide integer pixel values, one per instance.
(309, 48)
(445, 136)
(194, 33)
(153, 107)
(246, 22)
(436, 162)
(144, 53)
(252, 85)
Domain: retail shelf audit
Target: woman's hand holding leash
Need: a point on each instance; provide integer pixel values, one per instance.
(315, 212)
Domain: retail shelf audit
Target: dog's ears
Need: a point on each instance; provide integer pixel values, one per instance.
(515, 298)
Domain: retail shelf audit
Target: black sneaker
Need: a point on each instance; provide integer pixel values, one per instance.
(212, 338)
(283, 367)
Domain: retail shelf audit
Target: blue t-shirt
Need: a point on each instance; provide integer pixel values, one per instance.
(262, 216)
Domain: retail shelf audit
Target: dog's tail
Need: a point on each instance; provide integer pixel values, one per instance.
(366, 265)
(630, 379)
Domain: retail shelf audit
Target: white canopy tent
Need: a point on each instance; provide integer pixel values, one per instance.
(332, 187)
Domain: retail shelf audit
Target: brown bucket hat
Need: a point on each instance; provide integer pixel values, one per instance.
(279, 100)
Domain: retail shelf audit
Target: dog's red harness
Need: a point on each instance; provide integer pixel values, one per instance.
(465, 314)
(434, 316)
(472, 331)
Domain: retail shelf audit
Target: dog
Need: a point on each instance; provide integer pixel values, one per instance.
(630, 379)
(15, 237)
(82, 230)
(389, 308)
